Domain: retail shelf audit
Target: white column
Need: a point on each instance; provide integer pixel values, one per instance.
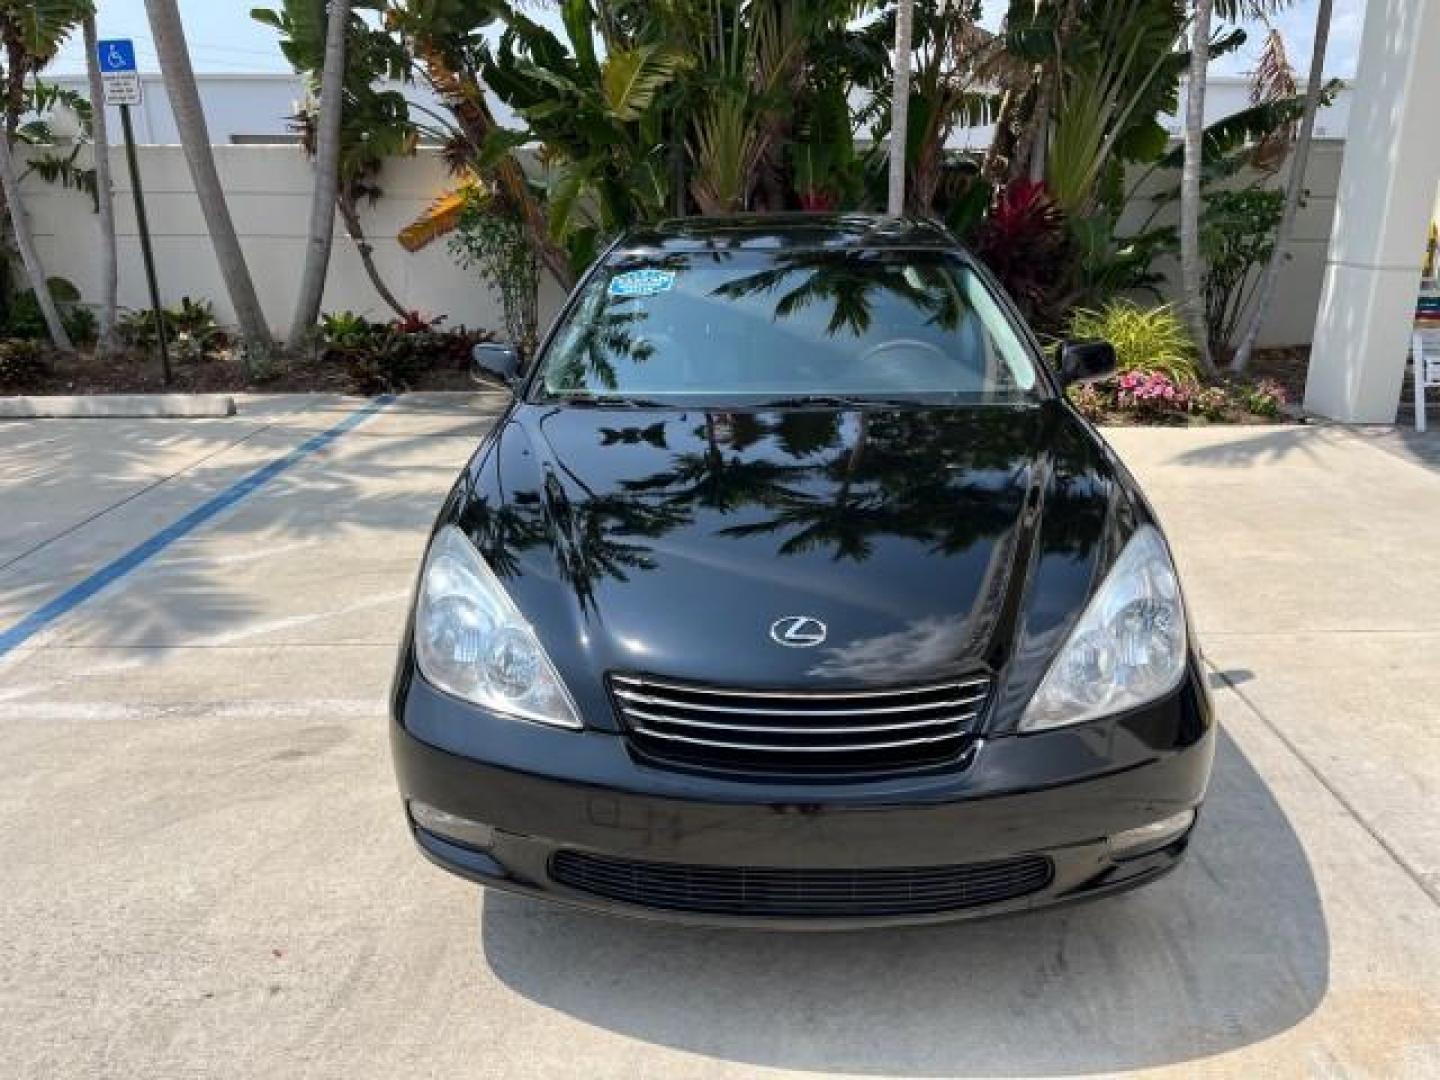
(1387, 187)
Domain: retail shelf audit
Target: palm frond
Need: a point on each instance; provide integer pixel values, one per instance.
(631, 78)
(43, 25)
(1273, 80)
(439, 218)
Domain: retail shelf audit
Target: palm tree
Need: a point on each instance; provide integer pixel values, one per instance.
(104, 194)
(1192, 271)
(31, 34)
(25, 242)
(327, 172)
(1294, 187)
(170, 47)
(900, 107)
(438, 38)
(375, 123)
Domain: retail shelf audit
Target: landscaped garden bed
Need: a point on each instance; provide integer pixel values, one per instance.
(351, 354)
(1160, 378)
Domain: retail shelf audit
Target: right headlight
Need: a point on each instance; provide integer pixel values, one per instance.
(471, 641)
(1128, 647)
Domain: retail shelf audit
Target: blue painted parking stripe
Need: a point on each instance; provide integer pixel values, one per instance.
(108, 574)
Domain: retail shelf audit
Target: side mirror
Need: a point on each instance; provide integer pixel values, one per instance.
(1086, 361)
(491, 360)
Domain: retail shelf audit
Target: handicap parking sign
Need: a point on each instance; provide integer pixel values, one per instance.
(117, 54)
(117, 71)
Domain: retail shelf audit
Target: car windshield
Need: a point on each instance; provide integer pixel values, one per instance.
(787, 327)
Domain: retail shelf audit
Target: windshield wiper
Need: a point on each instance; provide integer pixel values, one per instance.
(838, 401)
(608, 401)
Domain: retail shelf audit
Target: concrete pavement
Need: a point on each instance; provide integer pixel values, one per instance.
(207, 874)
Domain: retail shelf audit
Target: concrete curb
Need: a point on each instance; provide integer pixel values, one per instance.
(117, 406)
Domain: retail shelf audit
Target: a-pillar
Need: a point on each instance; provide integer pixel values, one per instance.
(1387, 189)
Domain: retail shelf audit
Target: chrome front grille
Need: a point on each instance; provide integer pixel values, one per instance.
(800, 730)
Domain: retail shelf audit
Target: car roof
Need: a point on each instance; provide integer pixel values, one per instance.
(786, 231)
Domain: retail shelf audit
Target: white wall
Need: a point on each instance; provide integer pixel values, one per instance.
(268, 188)
(239, 106)
(1291, 320)
(254, 105)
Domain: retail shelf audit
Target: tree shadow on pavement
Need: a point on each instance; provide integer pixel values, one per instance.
(371, 494)
(1229, 950)
(1273, 445)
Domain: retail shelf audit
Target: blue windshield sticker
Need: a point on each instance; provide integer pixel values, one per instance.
(642, 282)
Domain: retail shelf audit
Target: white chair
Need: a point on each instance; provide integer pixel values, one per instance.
(1425, 356)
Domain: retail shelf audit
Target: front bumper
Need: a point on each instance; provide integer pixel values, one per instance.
(1059, 794)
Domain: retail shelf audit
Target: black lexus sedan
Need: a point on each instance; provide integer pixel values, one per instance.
(789, 591)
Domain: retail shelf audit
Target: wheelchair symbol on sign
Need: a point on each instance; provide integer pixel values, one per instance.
(115, 58)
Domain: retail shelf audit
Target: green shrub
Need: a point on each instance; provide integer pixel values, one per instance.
(1211, 402)
(24, 320)
(344, 330)
(1150, 341)
(190, 329)
(395, 363)
(383, 357)
(496, 246)
(1237, 238)
(23, 363)
(1091, 400)
(1264, 398)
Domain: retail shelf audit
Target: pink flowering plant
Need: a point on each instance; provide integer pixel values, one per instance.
(1264, 398)
(1152, 395)
(1094, 400)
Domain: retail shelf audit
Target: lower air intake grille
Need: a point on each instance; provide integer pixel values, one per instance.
(800, 731)
(765, 891)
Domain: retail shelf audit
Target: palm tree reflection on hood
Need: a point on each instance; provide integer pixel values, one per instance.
(592, 538)
(817, 481)
(897, 478)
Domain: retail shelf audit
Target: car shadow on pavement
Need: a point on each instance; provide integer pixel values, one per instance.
(1230, 949)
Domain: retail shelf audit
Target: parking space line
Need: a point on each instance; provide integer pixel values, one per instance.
(113, 571)
(157, 482)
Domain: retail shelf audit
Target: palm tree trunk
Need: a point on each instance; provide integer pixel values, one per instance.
(1294, 188)
(900, 107)
(327, 177)
(1192, 283)
(25, 241)
(170, 47)
(996, 161)
(1035, 147)
(351, 216)
(104, 194)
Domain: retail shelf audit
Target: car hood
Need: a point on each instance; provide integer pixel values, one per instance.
(670, 542)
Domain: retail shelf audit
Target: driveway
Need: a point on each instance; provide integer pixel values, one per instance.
(207, 873)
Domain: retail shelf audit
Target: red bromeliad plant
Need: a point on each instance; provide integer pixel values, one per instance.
(1024, 243)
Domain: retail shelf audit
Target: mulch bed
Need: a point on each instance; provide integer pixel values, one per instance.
(1287, 366)
(138, 372)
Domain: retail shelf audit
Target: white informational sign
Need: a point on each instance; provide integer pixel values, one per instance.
(118, 73)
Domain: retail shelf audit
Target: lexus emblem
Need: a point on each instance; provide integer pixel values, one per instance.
(797, 631)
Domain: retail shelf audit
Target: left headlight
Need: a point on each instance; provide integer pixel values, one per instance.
(1128, 647)
(472, 642)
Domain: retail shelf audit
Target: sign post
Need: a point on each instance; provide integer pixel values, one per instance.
(121, 81)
